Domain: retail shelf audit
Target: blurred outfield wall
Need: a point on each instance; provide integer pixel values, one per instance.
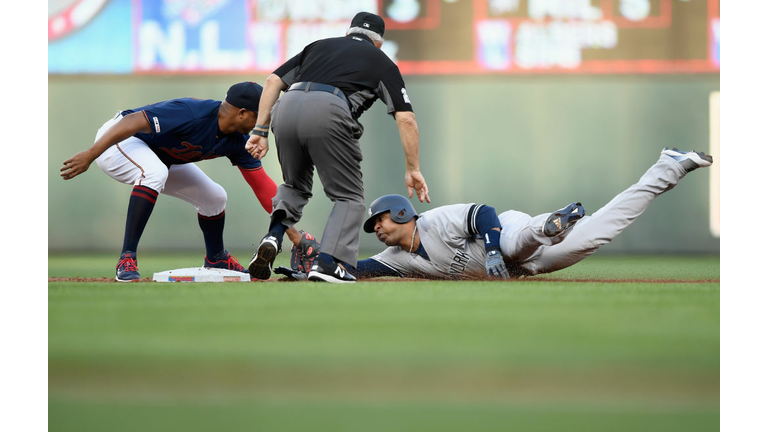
(530, 143)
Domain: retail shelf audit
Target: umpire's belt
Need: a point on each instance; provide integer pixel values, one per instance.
(312, 86)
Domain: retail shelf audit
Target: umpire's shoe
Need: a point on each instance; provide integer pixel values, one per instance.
(333, 273)
(223, 260)
(261, 263)
(563, 219)
(689, 160)
(127, 269)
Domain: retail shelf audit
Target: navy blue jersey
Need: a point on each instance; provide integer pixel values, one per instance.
(187, 130)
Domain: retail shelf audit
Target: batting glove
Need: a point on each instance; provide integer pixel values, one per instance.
(494, 265)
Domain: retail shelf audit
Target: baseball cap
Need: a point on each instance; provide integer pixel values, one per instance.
(245, 95)
(369, 21)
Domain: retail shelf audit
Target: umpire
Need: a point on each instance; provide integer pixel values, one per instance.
(327, 87)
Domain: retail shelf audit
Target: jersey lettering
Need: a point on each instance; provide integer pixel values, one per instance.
(189, 153)
(405, 96)
(459, 264)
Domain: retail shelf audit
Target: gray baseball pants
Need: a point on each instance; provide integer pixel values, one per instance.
(523, 241)
(315, 129)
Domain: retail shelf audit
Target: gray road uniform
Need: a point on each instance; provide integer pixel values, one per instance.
(449, 251)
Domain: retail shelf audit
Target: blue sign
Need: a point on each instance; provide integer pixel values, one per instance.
(179, 36)
(100, 44)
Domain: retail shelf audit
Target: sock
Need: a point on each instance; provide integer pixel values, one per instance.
(140, 207)
(276, 227)
(213, 233)
(327, 259)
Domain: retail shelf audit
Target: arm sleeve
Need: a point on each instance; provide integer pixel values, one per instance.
(392, 91)
(481, 220)
(371, 268)
(168, 117)
(263, 186)
(288, 70)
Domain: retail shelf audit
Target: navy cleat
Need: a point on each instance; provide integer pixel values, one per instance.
(261, 263)
(303, 256)
(689, 160)
(335, 273)
(127, 269)
(563, 219)
(223, 260)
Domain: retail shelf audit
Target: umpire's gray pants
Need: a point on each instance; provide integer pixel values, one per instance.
(315, 129)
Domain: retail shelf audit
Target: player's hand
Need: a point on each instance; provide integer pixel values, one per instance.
(76, 165)
(291, 273)
(414, 180)
(257, 146)
(494, 265)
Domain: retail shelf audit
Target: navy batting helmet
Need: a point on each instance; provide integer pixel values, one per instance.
(400, 210)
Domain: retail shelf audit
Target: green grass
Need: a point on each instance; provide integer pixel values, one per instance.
(387, 356)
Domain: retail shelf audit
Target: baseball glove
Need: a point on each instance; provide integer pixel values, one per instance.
(303, 256)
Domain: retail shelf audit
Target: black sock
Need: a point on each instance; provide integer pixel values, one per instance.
(276, 227)
(213, 233)
(327, 259)
(140, 207)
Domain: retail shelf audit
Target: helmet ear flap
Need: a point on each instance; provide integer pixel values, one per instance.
(400, 214)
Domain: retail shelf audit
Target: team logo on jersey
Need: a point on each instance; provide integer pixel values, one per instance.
(190, 153)
(405, 95)
(157, 124)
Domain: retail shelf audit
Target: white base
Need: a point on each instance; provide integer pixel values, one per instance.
(201, 274)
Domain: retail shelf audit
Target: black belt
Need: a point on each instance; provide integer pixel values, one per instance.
(312, 86)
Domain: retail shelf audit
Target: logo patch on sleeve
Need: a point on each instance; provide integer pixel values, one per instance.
(157, 123)
(405, 95)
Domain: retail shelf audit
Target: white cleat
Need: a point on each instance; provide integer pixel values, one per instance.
(689, 160)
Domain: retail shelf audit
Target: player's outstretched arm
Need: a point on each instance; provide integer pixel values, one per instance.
(371, 268)
(126, 127)
(409, 136)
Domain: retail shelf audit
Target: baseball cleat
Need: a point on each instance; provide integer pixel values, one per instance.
(689, 160)
(321, 272)
(261, 263)
(223, 260)
(127, 269)
(563, 219)
(303, 256)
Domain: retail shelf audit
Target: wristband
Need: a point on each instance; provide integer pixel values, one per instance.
(492, 240)
(262, 126)
(260, 133)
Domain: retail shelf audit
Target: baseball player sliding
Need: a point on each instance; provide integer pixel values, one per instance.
(153, 148)
(469, 241)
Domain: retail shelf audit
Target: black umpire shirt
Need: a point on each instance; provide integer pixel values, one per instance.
(354, 65)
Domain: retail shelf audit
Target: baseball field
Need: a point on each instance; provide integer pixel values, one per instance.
(614, 343)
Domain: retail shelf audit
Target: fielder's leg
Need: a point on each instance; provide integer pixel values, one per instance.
(132, 162)
(596, 230)
(189, 183)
